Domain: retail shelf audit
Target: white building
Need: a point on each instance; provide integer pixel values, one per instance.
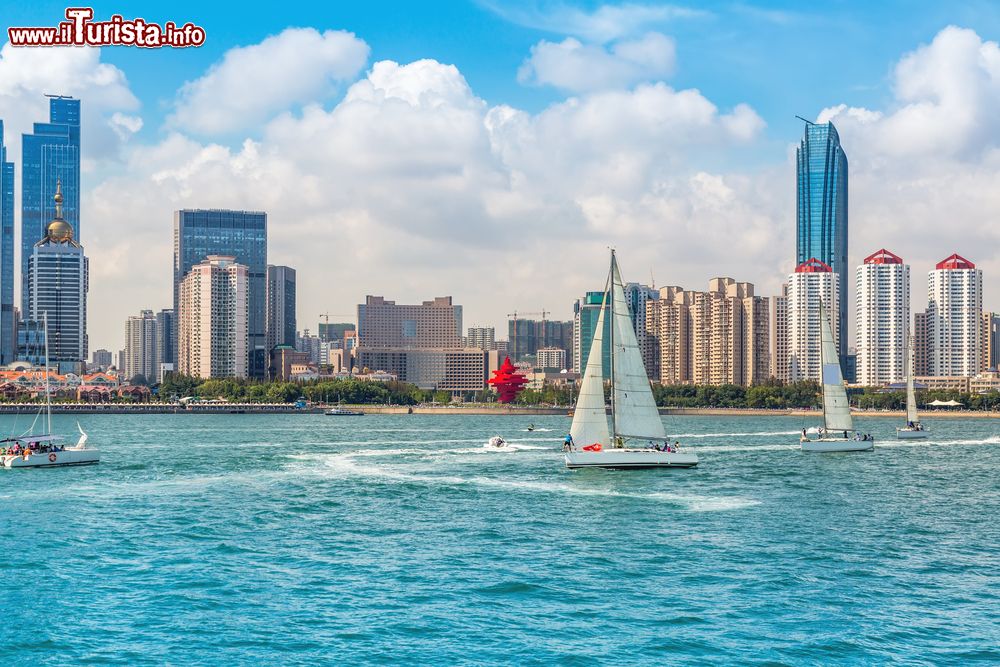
(883, 318)
(954, 318)
(483, 338)
(551, 357)
(811, 283)
(212, 321)
(141, 354)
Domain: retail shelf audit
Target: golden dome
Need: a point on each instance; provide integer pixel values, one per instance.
(59, 231)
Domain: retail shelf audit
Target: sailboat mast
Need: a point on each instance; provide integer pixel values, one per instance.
(611, 345)
(48, 395)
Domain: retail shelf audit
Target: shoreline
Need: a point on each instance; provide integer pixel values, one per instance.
(471, 410)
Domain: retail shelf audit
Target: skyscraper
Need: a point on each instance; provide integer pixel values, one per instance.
(239, 234)
(49, 155)
(166, 336)
(57, 277)
(954, 317)
(883, 318)
(212, 319)
(8, 331)
(812, 283)
(821, 209)
(141, 353)
(280, 325)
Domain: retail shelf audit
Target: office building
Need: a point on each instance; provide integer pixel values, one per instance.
(213, 319)
(456, 370)
(882, 319)
(50, 156)
(58, 281)
(812, 283)
(8, 323)
(821, 208)
(954, 317)
(166, 338)
(280, 320)
(921, 345)
(333, 331)
(586, 312)
(551, 358)
(991, 341)
(431, 324)
(141, 349)
(101, 359)
(238, 234)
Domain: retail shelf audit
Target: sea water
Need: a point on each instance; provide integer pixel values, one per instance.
(401, 539)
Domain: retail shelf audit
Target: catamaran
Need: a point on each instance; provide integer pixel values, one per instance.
(636, 438)
(43, 450)
(837, 433)
(913, 430)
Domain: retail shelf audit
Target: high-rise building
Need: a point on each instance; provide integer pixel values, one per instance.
(310, 345)
(883, 319)
(102, 359)
(334, 331)
(213, 319)
(812, 283)
(551, 357)
(921, 345)
(526, 337)
(586, 312)
(8, 325)
(432, 324)
(50, 157)
(483, 338)
(991, 341)
(57, 277)
(141, 351)
(239, 234)
(777, 332)
(954, 317)
(637, 296)
(821, 208)
(280, 324)
(166, 337)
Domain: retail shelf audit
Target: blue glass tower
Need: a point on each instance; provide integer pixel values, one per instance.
(8, 332)
(50, 154)
(821, 207)
(239, 234)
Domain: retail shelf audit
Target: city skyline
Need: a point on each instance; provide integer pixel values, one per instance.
(677, 200)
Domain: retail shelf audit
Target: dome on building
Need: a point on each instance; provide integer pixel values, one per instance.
(59, 231)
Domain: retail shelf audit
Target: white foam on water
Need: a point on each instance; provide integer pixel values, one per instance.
(744, 448)
(732, 435)
(992, 440)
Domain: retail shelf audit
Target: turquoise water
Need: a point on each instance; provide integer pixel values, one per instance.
(304, 539)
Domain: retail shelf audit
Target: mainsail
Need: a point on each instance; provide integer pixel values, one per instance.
(590, 422)
(911, 397)
(836, 409)
(634, 413)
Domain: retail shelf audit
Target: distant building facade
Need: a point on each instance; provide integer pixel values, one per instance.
(882, 319)
(141, 349)
(213, 320)
(431, 324)
(8, 323)
(812, 283)
(280, 321)
(102, 359)
(483, 338)
(166, 338)
(954, 317)
(525, 337)
(551, 358)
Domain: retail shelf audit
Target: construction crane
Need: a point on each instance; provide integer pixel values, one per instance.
(513, 338)
(326, 316)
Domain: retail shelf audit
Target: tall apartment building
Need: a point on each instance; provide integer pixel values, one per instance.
(777, 335)
(58, 283)
(882, 318)
(921, 345)
(166, 337)
(8, 324)
(102, 359)
(586, 312)
(279, 325)
(812, 283)
(141, 350)
(483, 338)
(50, 160)
(954, 317)
(526, 337)
(551, 357)
(239, 234)
(714, 337)
(991, 341)
(213, 319)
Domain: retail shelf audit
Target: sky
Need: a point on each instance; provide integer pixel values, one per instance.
(493, 151)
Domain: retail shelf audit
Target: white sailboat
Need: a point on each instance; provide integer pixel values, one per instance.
(837, 433)
(913, 430)
(43, 450)
(636, 428)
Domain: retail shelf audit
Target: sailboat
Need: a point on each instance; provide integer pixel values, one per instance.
(636, 438)
(913, 430)
(43, 450)
(837, 433)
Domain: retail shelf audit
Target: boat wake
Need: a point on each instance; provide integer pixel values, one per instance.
(733, 435)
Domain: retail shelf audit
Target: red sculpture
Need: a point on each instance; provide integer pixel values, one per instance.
(508, 382)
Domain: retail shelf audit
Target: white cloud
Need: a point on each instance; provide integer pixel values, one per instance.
(252, 83)
(578, 67)
(604, 24)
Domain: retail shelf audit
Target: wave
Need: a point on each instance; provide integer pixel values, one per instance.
(733, 435)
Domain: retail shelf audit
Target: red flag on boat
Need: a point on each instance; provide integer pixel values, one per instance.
(596, 447)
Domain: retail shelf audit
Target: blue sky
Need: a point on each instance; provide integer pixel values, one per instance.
(493, 150)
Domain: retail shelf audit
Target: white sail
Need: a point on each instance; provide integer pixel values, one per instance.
(836, 409)
(634, 412)
(911, 395)
(590, 421)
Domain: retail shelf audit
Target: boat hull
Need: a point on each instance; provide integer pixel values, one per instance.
(910, 434)
(837, 445)
(620, 459)
(67, 457)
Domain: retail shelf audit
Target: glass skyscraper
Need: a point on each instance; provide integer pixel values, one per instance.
(49, 155)
(239, 234)
(821, 208)
(8, 332)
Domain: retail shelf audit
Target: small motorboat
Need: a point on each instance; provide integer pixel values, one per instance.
(343, 412)
(531, 427)
(497, 442)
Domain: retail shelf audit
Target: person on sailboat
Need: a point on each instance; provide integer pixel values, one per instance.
(568, 442)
